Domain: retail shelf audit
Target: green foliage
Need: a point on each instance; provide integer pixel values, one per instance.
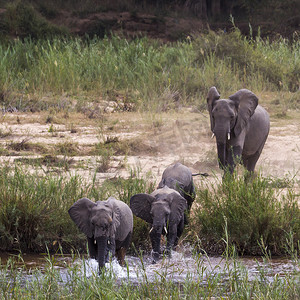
(34, 208)
(151, 75)
(253, 217)
(253, 60)
(22, 20)
(250, 214)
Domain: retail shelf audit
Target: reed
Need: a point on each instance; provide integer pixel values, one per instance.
(254, 217)
(34, 208)
(225, 281)
(152, 75)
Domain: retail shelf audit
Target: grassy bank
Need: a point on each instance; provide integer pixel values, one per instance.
(230, 280)
(256, 218)
(144, 72)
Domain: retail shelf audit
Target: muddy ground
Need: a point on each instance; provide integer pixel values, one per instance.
(113, 144)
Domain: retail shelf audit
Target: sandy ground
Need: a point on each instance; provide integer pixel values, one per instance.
(161, 139)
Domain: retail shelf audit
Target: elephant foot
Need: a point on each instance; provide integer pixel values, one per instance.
(121, 256)
(155, 257)
(167, 253)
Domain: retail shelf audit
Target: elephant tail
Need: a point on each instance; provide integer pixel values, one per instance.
(202, 174)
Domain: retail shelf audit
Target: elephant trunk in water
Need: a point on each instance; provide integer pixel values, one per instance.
(102, 251)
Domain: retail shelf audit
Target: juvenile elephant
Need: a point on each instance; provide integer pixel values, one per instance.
(108, 226)
(164, 209)
(241, 127)
(179, 177)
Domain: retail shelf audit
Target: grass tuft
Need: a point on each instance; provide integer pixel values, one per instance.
(246, 216)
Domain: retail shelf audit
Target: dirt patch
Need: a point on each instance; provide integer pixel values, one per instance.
(148, 143)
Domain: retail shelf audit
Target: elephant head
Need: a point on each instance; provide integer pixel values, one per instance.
(228, 120)
(100, 222)
(164, 210)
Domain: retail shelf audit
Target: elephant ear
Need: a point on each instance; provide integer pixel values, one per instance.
(212, 96)
(116, 217)
(178, 206)
(140, 205)
(246, 103)
(80, 213)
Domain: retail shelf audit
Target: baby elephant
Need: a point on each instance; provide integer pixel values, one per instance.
(164, 208)
(108, 226)
(179, 177)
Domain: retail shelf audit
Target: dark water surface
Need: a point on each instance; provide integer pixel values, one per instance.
(180, 267)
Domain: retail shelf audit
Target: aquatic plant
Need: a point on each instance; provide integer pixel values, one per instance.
(72, 278)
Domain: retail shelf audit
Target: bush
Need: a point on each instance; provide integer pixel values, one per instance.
(22, 20)
(251, 217)
(34, 209)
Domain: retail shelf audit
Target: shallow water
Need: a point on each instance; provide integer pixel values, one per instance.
(182, 266)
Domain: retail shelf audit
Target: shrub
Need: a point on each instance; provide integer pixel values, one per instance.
(22, 20)
(246, 216)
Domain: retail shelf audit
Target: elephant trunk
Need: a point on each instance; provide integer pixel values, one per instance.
(221, 146)
(155, 236)
(102, 251)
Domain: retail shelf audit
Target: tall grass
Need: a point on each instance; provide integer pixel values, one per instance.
(145, 71)
(252, 218)
(34, 208)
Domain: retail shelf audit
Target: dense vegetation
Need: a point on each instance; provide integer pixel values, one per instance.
(250, 218)
(144, 71)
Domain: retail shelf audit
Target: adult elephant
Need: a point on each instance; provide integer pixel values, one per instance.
(164, 209)
(241, 127)
(108, 226)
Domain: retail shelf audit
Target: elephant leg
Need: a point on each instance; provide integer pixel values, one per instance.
(120, 253)
(250, 162)
(180, 229)
(234, 155)
(171, 238)
(92, 247)
(186, 217)
(121, 247)
(111, 249)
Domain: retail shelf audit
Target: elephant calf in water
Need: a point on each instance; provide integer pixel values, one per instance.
(108, 226)
(165, 207)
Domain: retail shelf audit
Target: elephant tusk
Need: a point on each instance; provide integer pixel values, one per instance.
(166, 231)
(213, 135)
(95, 242)
(228, 136)
(151, 230)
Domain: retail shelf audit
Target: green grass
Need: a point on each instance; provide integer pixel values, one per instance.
(254, 218)
(34, 206)
(223, 282)
(145, 72)
(257, 218)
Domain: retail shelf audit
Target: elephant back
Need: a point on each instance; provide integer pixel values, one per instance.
(176, 175)
(124, 216)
